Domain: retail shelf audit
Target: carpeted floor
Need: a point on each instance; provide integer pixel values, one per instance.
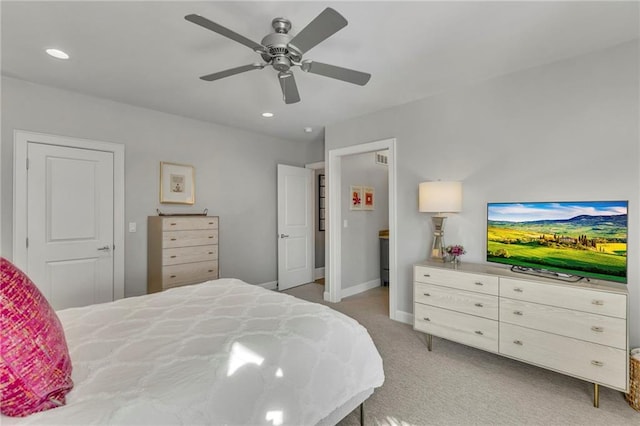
(458, 385)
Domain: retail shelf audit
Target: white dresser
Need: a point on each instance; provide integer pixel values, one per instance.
(579, 329)
(181, 250)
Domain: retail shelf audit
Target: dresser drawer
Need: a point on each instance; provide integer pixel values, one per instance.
(175, 256)
(456, 279)
(588, 361)
(189, 223)
(176, 275)
(482, 305)
(581, 299)
(594, 328)
(470, 330)
(189, 238)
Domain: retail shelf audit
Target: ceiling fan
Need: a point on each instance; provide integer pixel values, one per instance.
(283, 51)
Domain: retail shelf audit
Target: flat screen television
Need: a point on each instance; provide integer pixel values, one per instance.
(563, 239)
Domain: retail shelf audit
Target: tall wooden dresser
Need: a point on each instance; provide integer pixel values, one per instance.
(181, 250)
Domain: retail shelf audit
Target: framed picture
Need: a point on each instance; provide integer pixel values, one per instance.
(368, 198)
(177, 183)
(356, 198)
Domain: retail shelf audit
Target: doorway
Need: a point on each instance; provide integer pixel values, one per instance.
(333, 287)
(68, 220)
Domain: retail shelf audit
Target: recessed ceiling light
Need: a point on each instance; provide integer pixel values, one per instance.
(308, 130)
(56, 53)
(267, 114)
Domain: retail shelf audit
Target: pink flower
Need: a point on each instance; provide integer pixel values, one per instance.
(455, 250)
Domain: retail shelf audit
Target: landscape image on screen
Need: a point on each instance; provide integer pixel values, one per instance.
(587, 239)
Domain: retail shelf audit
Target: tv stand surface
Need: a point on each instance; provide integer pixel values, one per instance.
(575, 328)
(544, 273)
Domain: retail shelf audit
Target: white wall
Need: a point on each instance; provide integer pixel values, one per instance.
(235, 171)
(360, 243)
(564, 131)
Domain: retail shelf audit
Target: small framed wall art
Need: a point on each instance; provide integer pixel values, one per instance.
(177, 183)
(356, 197)
(368, 198)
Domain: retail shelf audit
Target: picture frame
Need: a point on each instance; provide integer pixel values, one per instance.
(355, 197)
(368, 198)
(177, 183)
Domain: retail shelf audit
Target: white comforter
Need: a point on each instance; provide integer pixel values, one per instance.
(221, 352)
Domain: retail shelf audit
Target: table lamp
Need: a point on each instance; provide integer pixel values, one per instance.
(439, 197)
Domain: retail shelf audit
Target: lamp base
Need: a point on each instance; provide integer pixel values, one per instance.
(437, 248)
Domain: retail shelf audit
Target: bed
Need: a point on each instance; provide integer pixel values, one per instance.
(220, 352)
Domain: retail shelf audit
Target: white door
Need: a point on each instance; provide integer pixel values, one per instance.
(295, 226)
(70, 217)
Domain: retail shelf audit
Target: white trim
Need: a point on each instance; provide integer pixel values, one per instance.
(356, 289)
(315, 166)
(20, 140)
(318, 273)
(333, 265)
(271, 285)
(404, 317)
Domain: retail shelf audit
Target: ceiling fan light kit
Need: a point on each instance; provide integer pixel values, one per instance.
(283, 51)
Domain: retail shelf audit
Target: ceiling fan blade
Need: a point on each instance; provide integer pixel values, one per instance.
(231, 71)
(289, 87)
(321, 28)
(339, 73)
(210, 25)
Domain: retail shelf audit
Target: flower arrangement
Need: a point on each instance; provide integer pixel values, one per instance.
(455, 251)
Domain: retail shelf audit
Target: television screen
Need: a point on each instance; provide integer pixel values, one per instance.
(587, 239)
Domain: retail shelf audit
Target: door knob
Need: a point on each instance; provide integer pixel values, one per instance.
(105, 248)
(284, 236)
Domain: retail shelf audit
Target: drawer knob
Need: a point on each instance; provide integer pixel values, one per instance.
(210, 252)
(517, 313)
(479, 305)
(597, 302)
(210, 223)
(597, 363)
(210, 270)
(210, 236)
(173, 224)
(597, 329)
(479, 333)
(427, 275)
(173, 239)
(518, 342)
(174, 256)
(478, 283)
(172, 276)
(427, 294)
(427, 319)
(518, 290)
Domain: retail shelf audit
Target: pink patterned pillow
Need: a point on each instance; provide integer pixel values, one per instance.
(35, 367)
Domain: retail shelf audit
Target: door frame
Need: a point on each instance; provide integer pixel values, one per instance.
(333, 286)
(21, 138)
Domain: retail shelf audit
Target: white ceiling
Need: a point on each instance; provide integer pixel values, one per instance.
(146, 54)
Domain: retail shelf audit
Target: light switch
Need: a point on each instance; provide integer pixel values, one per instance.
(346, 224)
(132, 227)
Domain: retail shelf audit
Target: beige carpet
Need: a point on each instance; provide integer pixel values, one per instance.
(458, 385)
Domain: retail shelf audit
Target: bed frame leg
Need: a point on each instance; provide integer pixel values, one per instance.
(362, 414)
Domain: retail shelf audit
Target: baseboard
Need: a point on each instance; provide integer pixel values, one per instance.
(404, 317)
(272, 285)
(318, 273)
(350, 291)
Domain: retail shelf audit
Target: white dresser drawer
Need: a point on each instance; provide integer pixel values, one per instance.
(597, 302)
(189, 238)
(175, 256)
(470, 330)
(482, 305)
(456, 279)
(594, 328)
(188, 223)
(589, 361)
(176, 275)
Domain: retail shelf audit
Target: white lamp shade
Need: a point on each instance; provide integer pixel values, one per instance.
(440, 197)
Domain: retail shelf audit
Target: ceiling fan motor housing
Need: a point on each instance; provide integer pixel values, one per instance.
(279, 53)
